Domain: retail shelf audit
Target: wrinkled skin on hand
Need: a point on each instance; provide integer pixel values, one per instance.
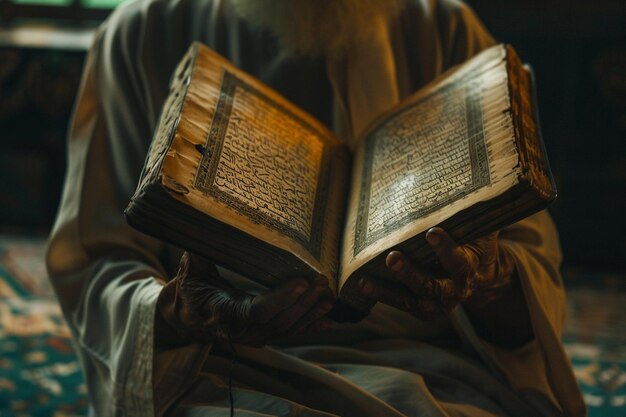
(199, 306)
(474, 274)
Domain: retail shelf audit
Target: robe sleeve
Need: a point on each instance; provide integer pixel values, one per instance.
(539, 370)
(106, 275)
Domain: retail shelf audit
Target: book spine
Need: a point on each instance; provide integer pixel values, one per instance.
(169, 118)
(163, 137)
(533, 158)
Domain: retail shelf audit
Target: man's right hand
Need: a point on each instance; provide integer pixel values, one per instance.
(199, 306)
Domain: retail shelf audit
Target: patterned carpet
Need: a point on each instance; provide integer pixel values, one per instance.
(39, 372)
(595, 339)
(40, 375)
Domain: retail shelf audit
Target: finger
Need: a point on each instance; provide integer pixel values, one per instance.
(199, 272)
(400, 297)
(484, 248)
(444, 293)
(267, 305)
(231, 306)
(197, 265)
(390, 293)
(450, 255)
(406, 272)
(282, 322)
(205, 300)
(314, 315)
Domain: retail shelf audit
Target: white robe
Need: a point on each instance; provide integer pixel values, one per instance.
(108, 276)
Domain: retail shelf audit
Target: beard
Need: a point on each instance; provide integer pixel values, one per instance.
(318, 27)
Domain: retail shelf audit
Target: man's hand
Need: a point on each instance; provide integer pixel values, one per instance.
(199, 306)
(474, 274)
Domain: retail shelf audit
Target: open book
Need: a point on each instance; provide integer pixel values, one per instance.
(240, 175)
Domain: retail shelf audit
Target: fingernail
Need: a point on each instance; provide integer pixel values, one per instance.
(321, 280)
(433, 237)
(394, 262)
(366, 287)
(300, 288)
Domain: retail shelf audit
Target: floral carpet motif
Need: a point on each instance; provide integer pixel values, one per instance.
(40, 374)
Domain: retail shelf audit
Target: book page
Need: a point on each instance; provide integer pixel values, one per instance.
(265, 164)
(412, 169)
(250, 159)
(442, 151)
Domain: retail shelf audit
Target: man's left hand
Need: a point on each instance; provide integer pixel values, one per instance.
(474, 274)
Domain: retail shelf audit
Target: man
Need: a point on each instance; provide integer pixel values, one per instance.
(482, 340)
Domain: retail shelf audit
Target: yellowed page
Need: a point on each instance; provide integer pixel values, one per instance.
(246, 156)
(440, 153)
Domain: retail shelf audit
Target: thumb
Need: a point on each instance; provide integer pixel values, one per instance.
(194, 265)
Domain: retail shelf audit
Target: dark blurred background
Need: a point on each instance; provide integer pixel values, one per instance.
(577, 49)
